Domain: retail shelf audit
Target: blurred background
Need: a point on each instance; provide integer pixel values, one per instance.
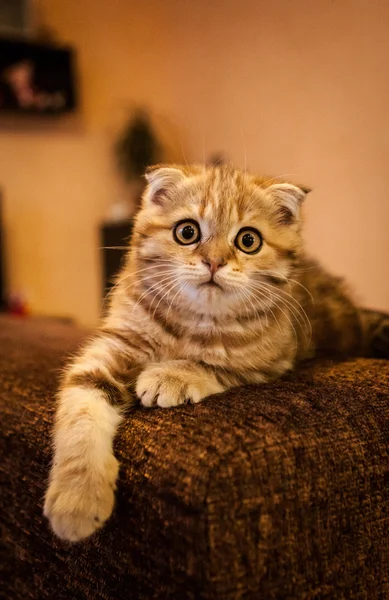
(98, 88)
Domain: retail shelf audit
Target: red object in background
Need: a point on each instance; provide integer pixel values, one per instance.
(17, 305)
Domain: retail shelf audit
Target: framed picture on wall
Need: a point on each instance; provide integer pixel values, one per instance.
(36, 78)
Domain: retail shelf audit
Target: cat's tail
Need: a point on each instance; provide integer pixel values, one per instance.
(376, 333)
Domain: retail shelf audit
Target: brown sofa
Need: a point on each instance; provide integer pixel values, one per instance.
(271, 492)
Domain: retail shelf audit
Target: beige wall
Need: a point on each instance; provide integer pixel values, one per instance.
(298, 87)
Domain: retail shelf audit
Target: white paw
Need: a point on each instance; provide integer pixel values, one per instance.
(168, 384)
(79, 500)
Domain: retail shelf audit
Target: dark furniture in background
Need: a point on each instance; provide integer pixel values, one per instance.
(2, 260)
(114, 239)
(268, 492)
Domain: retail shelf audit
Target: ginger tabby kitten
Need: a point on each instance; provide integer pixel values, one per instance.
(217, 292)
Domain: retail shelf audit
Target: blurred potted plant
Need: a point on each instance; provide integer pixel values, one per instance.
(136, 149)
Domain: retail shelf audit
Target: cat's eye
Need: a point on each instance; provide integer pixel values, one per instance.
(187, 232)
(248, 240)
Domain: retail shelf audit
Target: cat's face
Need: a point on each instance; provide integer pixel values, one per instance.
(216, 240)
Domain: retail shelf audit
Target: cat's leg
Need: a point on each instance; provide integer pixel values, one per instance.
(80, 496)
(177, 382)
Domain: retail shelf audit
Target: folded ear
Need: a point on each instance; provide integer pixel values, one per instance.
(287, 200)
(162, 180)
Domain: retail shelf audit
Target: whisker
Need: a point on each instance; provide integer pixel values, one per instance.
(173, 285)
(151, 289)
(297, 311)
(282, 291)
(300, 307)
(263, 295)
(183, 154)
(156, 266)
(247, 296)
(276, 293)
(288, 319)
(164, 271)
(154, 292)
(113, 248)
(118, 282)
(288, 279)
(245, 153)
(180, 290)
(144, 279)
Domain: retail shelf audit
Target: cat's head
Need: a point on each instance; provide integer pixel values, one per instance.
(216, 239)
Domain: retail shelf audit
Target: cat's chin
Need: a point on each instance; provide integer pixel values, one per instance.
(204, 292)
(210, 300)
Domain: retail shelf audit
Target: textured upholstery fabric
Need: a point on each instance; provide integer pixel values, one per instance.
(271, 492)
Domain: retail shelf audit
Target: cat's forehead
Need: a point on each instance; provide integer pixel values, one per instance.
(224, 183)
(221, 196)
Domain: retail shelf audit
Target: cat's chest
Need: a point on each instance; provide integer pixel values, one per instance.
(210, 352)
(218, 346)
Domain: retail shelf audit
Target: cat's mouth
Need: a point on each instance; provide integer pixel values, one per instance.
(211, 283)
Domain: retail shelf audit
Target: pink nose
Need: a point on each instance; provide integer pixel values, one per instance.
(214, 264)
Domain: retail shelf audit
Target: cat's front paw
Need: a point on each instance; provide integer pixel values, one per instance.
(170, 384)
(80, 499)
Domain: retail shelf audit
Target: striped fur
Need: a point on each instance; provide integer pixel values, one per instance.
(170, 337)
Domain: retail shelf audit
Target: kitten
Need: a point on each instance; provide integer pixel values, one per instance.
(217, 292)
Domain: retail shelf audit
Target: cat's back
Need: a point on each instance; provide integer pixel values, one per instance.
(328, 303)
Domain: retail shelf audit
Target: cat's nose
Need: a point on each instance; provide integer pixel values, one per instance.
(214, 264)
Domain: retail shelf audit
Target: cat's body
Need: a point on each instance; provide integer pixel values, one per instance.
(217, 292)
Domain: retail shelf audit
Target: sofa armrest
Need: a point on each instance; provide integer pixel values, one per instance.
(275, 491)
